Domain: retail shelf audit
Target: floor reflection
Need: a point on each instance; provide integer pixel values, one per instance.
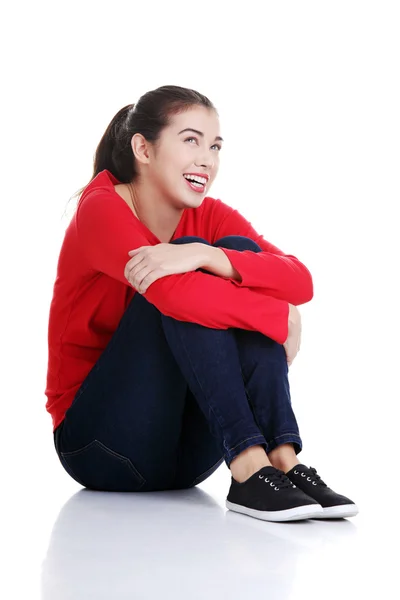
(176, 544)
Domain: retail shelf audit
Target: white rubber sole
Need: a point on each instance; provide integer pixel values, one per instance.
(309, 511)
(338, 512)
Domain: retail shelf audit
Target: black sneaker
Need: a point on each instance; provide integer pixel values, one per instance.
(271, 496)
(334, 505)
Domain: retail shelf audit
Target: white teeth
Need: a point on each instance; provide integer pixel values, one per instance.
(201, 180)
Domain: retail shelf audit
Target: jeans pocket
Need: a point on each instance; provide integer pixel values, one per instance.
(97, 467)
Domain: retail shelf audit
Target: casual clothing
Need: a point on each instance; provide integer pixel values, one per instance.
(168, 401)
(91, 294)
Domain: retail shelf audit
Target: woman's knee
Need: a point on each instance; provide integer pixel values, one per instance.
(190, 239)
(238, 242)
(234, 242)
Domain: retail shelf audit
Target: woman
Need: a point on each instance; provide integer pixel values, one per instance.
(173, 323)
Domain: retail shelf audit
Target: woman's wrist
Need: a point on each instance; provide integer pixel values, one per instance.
(215, 260)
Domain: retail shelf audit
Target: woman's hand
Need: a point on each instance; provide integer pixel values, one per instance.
(292, 344)
(149, 263)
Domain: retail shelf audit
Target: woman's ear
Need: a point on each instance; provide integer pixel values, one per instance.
(140, 148)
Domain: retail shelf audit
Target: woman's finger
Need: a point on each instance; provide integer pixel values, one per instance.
(150, 278)
(136, 260)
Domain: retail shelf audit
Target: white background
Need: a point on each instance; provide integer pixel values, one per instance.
(308, 95)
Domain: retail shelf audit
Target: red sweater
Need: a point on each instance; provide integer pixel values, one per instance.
(91, 293)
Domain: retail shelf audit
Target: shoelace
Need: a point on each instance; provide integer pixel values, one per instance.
(313, 473)
(317, 477)
(278, 480)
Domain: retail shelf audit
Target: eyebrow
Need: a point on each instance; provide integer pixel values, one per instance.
(199, 133)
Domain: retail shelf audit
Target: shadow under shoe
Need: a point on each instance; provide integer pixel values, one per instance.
(270, 495)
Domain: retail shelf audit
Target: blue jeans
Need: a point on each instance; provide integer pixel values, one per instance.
(169, 401)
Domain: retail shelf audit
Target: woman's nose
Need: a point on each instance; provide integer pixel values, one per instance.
(205, 161)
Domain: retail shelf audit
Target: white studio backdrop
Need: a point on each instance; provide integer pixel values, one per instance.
(308, 97)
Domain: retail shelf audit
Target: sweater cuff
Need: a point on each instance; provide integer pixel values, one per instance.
(282, 323)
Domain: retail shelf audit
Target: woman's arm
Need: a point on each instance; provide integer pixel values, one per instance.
(270, 271)
(106, 232)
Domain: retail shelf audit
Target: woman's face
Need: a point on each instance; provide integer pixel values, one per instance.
(181, 152)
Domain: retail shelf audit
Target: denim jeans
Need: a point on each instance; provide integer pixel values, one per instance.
(169, 401)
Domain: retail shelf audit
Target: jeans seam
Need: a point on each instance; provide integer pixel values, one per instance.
(285, 434)
(199, 382)
(290, 438)
(246, 440)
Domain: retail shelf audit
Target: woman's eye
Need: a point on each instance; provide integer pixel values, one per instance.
(193, 138)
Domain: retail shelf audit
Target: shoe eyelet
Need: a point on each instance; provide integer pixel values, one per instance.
(266, 480)
(296, 472)
(294, 486)
(308, 478)
(260, 476)
(277, 489)
(303, 474)
(272, 484)
(314, 483)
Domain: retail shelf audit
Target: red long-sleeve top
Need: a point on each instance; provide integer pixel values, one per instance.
(91, 293)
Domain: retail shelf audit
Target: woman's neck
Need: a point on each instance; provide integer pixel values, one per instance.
(159, 217)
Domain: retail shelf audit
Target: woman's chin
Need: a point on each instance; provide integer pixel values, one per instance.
(192, 200)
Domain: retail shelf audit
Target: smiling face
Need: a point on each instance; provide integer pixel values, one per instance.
(190, 144)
